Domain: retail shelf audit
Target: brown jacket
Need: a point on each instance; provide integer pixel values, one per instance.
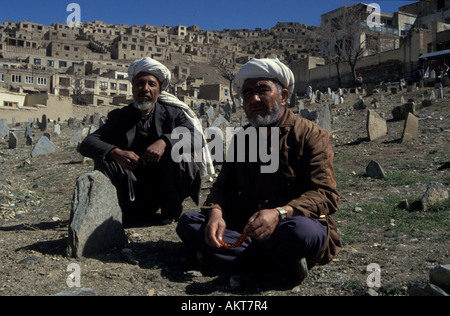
(305, 180)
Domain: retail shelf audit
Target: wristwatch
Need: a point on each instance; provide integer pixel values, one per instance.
(282, 213)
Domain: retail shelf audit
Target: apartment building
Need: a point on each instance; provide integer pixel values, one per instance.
(93, 60)
(16, 77)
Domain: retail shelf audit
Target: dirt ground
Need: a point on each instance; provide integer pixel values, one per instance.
(36, 194)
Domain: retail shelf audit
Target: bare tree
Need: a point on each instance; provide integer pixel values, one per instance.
(347, 38)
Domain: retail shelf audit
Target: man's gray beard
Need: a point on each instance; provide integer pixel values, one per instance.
(143, 106)
(267, 120)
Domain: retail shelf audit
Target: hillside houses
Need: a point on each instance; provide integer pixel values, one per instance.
(89, 63)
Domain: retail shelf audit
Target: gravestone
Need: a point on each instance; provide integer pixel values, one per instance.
(28, 132)
(95, 225)
(43, 124)
(71, 122)
(411, 128)
(12, 142)
(309, 92)
(48, 135)
(29, 140)
(376, 125)
(211, 113)
(96, 119)
(4, 128)
(324, 118)
(318, 96)
(57, 129)
(102, 122)
(359, 105)
(401, 112)
(301, 106)
(374, 170)
(441, 92)
(432, 95)
(43, 147)
(313, 98)
(219, 121)
(92, 129)
(76, 137)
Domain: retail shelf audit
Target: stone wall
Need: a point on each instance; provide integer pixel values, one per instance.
(54, 107)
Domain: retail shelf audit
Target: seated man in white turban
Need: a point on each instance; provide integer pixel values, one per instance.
(133, 149)
(278, 222)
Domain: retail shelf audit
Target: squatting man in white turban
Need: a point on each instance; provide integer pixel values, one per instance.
(283, 218)
(133, 149)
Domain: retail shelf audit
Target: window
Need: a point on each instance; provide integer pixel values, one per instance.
(113, 86)
(29, 79)
(42, 81)
(2, 77)
(50, 63)
(62, 64)
(90, 84)
(16, 78)
(37, 61)
(123, 87)
(103, 85)
(64, 82)
(10, 104)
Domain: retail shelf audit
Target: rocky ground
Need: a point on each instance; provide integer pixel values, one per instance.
(36, 194)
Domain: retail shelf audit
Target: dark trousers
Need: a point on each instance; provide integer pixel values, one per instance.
(164, 185)
(295, 238)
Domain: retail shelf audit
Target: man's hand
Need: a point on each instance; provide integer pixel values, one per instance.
(154, 152)
(215, 228)
(126, 159)
(262, 225)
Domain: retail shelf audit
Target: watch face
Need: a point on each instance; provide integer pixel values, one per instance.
(282, 212)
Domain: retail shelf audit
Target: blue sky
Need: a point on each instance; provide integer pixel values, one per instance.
(208, 14)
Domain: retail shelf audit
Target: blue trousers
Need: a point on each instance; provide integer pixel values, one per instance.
(295, 238)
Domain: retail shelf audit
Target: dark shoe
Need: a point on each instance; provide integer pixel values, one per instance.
(295, 272)
(300, 270)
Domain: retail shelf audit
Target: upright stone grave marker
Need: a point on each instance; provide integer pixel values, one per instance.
(4, 128)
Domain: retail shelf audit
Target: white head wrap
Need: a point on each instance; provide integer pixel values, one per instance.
(153, 67)
(265, 68)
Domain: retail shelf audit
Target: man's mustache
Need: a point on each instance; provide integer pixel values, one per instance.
(146, 95)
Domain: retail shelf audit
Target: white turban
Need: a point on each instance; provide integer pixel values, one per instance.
(153, 67)
(265, 68)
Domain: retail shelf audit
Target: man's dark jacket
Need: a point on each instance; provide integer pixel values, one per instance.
(120, 131)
